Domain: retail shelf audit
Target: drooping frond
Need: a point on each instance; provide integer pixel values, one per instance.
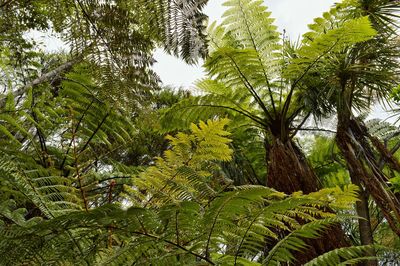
(181, 26)
(281, 252)
(229, 229)
(383, 130)
(342, 256)
(219, 101)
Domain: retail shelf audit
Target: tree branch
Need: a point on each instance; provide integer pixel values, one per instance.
(44, 78)
(6, 3)
(317, 129)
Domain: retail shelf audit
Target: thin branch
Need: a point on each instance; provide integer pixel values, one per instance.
(256, 119)
(76, 130)
(78, 174)
(245, 234)
(176, 245)
(213, 226)
(166, 183)
(292, 87)
(300, 125)
(44, 78)
(317, 129)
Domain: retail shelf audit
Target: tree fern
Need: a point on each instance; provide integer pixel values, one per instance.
(349, 33)
(278, 102)
(246, 47)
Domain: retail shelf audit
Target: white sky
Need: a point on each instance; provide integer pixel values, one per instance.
(291, 15)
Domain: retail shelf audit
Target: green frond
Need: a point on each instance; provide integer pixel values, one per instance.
(315, 53)
(342, 256)
(382, 130)
(250, 24)
(344, 196)
(237, 68)
(219, 101)
(21, 183)
(181, 174)
(280, 253)
(180, 26)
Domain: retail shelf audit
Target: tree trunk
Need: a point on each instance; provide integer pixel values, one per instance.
(351, 141)
(364, 223)
(45, 78)
(289, 171)
(362, 167)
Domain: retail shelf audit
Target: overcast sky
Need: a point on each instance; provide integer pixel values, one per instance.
(291, 15)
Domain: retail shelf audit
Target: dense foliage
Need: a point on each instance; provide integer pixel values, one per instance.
(101, 165)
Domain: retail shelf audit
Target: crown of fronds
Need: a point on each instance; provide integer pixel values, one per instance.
(253, 75)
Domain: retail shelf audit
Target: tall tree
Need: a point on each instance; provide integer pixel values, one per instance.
(355, 77)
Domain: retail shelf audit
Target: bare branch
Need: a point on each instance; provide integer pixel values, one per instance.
(44, 78)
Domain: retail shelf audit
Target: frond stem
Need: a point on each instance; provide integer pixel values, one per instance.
(252, 91)
(294, 84)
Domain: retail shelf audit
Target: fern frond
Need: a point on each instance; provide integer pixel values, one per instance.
(280, 253)
(342, 256)
(311, 55)
(252, 27)
(181, 174)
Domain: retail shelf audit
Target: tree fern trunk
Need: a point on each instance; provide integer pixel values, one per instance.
(289, 171)
(356, 172)
(360, 168)
(365, 229)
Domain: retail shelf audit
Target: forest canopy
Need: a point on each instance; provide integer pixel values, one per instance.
(270, 160)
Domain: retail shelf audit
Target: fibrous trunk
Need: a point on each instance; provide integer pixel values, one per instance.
(289, 171)
(362, 166)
